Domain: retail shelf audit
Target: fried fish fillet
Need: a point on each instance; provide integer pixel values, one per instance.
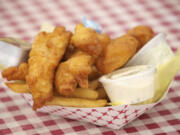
(117, 53)
(142, 33)
(69, 52)
(89, 41)
(73, 72)
(16, 73)
(47, 51)
(95, 74)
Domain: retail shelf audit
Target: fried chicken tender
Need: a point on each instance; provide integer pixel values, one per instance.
(117, 53)
(142, 33)
(16, 73)
(45, 55)
(73, 72)
(89, 41)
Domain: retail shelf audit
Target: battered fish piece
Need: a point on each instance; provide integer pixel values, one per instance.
(73, 72)
(47, 51)
(89, 41)
(117, 53)
(16, 73)
(142, 33)
(95, 74)
(69, 52)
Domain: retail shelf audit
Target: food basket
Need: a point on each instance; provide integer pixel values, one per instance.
(117, 116)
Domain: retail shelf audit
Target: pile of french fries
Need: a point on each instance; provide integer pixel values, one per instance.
(94, 96)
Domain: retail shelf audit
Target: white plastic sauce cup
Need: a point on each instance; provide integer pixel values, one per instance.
(130, 85)
(155, 52)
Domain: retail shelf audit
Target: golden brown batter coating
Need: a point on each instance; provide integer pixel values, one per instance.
(142, 33)
(16, 73)
(89, 41)
(73, 72)
(46, 53)
(117, 53)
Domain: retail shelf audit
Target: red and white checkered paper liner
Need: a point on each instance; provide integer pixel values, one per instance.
(113, 117)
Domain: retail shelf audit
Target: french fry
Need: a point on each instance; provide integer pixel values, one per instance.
(93, 84)
(86, 93)
(65, 101)
(76, 102)
(18, 87)
(21, 87)
(102, 93)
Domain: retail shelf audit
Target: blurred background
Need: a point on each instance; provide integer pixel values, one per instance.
(22, 18)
